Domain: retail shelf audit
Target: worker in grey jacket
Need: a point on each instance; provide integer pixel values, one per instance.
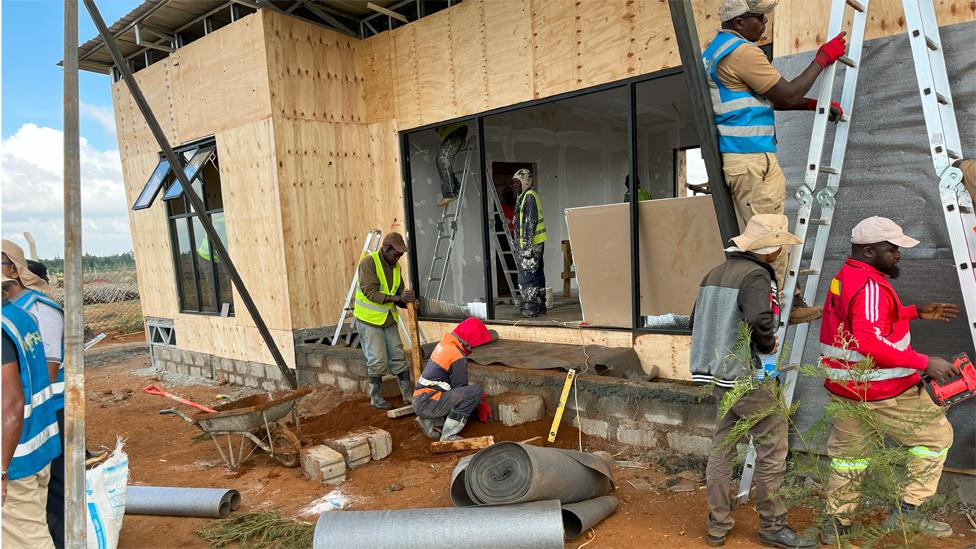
(743, 290)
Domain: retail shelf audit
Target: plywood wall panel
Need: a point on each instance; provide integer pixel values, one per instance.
(133, 133)
(468, 58)
(555, 33)
(378, 86)
(406, 94)
(508, 51)
(435, 68)
(216, 336)
(249, 186)
(603, 52)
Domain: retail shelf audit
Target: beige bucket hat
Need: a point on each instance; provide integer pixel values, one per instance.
(765, 231)
(30, 280)
(730, 9)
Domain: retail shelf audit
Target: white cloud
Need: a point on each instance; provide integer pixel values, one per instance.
(103, 116)
(31, 167)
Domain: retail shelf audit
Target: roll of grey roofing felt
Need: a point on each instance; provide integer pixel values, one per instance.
(536, 525)
(581, 516)
(181, 502)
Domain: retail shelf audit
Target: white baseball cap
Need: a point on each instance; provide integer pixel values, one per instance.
(730, 9)
(881, 229)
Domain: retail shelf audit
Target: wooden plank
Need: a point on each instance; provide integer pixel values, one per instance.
(541, 334)
(378, 73)
(508, 51)
(468, 58)
(652, 39)
(435, 73)
(249, 186)
(603, 52)
(555, 35)
(474, 443)
(406, 94)
(403, 411)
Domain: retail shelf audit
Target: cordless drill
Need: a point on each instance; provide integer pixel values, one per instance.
(961, 386)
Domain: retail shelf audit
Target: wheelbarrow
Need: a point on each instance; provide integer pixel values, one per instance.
(258, 419)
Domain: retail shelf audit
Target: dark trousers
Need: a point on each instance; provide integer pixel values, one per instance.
(445, 161)
(463, 399)
(55, 491)
(532, 280)
(772, 446)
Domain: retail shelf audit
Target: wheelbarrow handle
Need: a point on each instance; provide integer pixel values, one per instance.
(176, 412)
(154, 390)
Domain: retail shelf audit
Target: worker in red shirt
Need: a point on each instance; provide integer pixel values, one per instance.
(864, 319)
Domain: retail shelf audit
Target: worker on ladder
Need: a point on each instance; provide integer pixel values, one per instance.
(530, 242)
(378, 294)
(865, 320)
(452, 137)
(745, 89)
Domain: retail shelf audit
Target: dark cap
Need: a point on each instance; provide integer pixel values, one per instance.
(396, 241)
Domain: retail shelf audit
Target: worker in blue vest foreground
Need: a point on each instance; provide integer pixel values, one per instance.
(864, 318)
(378, 294)
(744, 290)
(530, 243)
(745, 89)
(33, 294)
(443, 395)
(30, 430)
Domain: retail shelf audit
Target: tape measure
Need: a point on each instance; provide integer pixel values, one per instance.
(570, 376)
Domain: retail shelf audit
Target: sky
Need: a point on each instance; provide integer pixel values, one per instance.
(32, 140)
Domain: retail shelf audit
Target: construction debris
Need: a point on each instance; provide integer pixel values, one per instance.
(323, 464)
(474, 443)
(403, 411)
(258, 531)
(354, 449)
(517, 408)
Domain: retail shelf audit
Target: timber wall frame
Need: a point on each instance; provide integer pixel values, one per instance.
(307, 125)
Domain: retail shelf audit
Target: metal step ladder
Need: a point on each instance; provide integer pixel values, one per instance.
(943, 134)
(505, 253)
(447, 230)
(371, 244)
(808, 196)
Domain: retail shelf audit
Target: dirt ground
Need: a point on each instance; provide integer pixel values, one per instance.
(161, 453)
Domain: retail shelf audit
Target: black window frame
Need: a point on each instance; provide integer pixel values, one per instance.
(637, 323)
(188, 214)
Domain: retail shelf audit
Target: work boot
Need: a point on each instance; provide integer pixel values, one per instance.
(428, 427)
(786, 538)
(836, 533)
(801, 313)
(406, 386)
(716, 541)
(376, 394)
(452, 426)
(445, 200)
(916, 521)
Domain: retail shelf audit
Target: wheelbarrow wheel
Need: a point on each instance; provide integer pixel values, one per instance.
(286, 447)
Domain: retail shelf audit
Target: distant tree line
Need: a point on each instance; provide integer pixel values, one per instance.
(99, 263)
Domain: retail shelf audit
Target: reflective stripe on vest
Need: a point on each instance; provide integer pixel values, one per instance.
(369, 311)
(745, 120)
(540, 227)
(873, 374)
(39, 440)
(443, 386)
(25, 301)
(924, 452)
(839, 464)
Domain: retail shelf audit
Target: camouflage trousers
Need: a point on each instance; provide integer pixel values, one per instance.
(532, 280)
(445, 161)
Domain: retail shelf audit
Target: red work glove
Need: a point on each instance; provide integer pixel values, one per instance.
(484, 409)
(835, 111)
(829, 52)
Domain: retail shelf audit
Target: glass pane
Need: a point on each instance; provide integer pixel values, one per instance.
(211, 185)
(577, 152)
(205, 267)
(197, 158)
(678, 240)
(184, 265)
(151, 189)
(225, 292)
(444, 163)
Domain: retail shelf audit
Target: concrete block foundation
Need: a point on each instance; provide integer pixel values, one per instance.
(323, 464)
(517, 408)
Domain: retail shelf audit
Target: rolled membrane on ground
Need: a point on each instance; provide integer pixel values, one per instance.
(181, 502)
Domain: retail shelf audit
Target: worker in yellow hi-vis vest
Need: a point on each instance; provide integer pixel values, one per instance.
(378, 294)
(530, 240)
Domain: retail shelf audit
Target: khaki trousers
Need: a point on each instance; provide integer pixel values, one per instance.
(758, 186)
(928, 445)
(772, 446)
(24, 513)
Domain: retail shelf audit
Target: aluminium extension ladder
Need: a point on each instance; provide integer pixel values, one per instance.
(447, 230)
(501, 235)
(372, 243)
(945, 147)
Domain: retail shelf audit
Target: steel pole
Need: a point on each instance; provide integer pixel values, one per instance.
(195, 202)
(75, 527)
(686, 33)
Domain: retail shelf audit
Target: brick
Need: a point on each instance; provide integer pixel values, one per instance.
(354, 448)
(347, 385)
(595, 427)
(357, 367)
(326, 378)
(635, 434)
(380, 442)
(256, 369)
(269, 385)
(518, 408)
(689, 444)
(323, 464)
(336, 364)
(271, 371)
(314, 361)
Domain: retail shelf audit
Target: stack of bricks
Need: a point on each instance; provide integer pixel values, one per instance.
(327, 462)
